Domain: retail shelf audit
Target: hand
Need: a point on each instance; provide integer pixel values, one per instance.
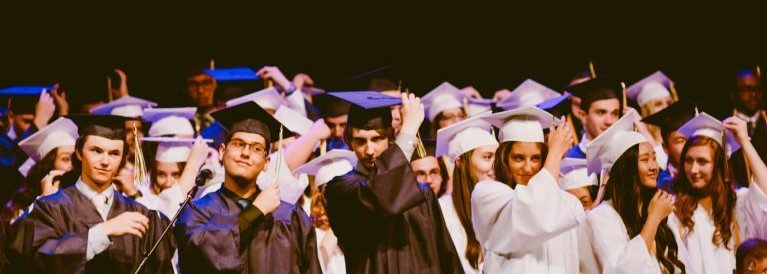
(329, 243)
(130, 222)
(320, 129)
(501, 94)
(269, 198)
(302, 80)
(471, 92)
(48, 185)
(44, 110)
(661, 205)
(641, 127)
(123, 89)
(560, 139)
(274, 73)
(199, 153)
(737, 127)
(412, 113)
(60, 99)
(124, 181)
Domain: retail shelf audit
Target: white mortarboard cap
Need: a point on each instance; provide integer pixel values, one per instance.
(443, 97)
(126, 106)
(291, 187)
(706, 125)
(170, 121)
(604, 150)
(522, 124)
(62, 132)
(479, 105)
(464, 136)
(268, 98)
(575, 174)
(333, 163)
(173, 149)
(529, 93)
(293, 120)
(650, 88)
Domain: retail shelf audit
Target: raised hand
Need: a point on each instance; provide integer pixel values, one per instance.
(50, 184)
(560, 139)
(44, 110)
(60, 99)
(412, 112)
(274, 73)
(269, 198)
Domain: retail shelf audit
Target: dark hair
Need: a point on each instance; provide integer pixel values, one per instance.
(386, 132)
(153, 170)
(463, 185)
(720, 188)
(435, 124)
(627, 195)
(753, 248)
(38, 171)
(501, 165)
(597, 94)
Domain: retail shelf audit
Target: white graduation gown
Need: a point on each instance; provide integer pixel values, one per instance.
(700, 255)
(457, 233)
(529, 229)
(336, 264)
(616, 252)
(586, 255)
(167, 201)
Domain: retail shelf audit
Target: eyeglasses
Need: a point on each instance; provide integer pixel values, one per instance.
(255, 148)
(423, 176)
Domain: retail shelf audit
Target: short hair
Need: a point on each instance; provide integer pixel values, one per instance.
(603, 93)
(386, 132)
(753, 248)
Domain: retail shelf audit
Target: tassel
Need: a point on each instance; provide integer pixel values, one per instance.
(139, 165)
(279, 155)
(623, 91)
(323, 146)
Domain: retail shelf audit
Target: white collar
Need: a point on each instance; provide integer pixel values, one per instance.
(11, 133)
(746, 118)
(584, 143)
(90, 193)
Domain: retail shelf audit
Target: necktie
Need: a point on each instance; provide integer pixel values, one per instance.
(101, 203)
(243, 203)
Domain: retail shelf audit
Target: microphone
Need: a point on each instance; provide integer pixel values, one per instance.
(205, 174)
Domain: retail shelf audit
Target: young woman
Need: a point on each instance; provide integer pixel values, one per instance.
(629, 230)
(523, 220)
(471, 148)
(711, 217)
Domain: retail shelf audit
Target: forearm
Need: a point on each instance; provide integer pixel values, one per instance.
(186, 181)
(648, 231)
(756, 164)
(298, 152)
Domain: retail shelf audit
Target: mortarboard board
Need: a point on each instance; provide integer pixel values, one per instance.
(575, 174)
(464, 136)
(369, 109)
(478, 105)
(333, 163)
(293, 120)
(62, 132)
(251, 118)
(233, 74)
(604, 150)
(443, 97)
(23, 90)
(107, 126)
(170, 121)
(23, 98)
(268, 98)
(383, 78)
(650, 88)
(672, 117)
(522, 124)
(705, 125)
(528, 93)
(126, 106)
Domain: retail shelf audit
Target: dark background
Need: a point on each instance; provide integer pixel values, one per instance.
(489, 47)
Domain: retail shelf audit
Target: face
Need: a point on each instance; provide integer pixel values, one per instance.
(451, 116)
(583, 195)
(427, 171)
(21, 122)
(200, 89)
(167, 174)
(601, 115)
(525, 160)
(699, 166)
(368, 146)
(647, 166)
(63, 159)
(396, 119)
(244, 157)
(100, 159)
(482, 162)
(337, 125)
(748, 94)
(657, 105)
(674, 147)
(754, 266)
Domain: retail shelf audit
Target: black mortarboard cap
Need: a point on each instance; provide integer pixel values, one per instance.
(369, 109)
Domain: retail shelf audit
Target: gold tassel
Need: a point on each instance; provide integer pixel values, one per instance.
(212, 63)
(269, 83)
(139, 165)
(758, 71)
(323, 146)
(279, 155)
(674, 95)
(623, 92)
(110, 96)
(570, 124)
(592, 70)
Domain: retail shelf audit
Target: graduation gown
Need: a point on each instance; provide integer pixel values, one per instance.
(699, 254)
(386, 223)
(529, 229)
(211, 241)
(59, 227)
(457, 233)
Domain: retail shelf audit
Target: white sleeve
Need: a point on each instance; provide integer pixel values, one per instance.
(97, 241)
(751, 211)
(616, 252)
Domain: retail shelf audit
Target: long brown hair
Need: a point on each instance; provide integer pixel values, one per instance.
(627, 195)
(720, 188)
(501, 163)
(463, 185)
(317, 212)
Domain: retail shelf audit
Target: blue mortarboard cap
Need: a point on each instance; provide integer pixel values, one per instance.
(369, 109)
(215, 132)
(233, 74)
(23, 90)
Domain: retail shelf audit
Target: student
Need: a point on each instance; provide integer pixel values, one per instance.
(669, 120)
(600, 107)
(751, 257)
(444, 106)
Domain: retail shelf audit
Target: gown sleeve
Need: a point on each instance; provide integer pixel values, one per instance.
(208, 239)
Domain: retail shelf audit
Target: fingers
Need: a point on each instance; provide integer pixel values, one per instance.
(656, 196)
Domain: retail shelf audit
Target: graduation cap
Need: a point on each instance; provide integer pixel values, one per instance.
(330, 106)
(293, 120)
(706, 125)
(464, 136)
(268, 98)
(170, 121)
(107, 126)
(443, 97)
(604, 150)
(62, 132)
(172, 151)
(126, 106)
(477, 106)
(23, 98)
(522, 124)
(233, 74)
(672, 117)
(251, 118)
(333, 163)
(596, 89)
(369, 109)
(653, 87)
(575, 174)
(528, 93)
(383, 78)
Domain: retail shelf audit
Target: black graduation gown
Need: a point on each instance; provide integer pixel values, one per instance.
(210, 240)
(59, 227)
(385, 223)
(759, 140)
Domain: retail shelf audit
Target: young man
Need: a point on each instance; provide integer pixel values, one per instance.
(600, 107)
(90, 227)
(751, 257)
(748, 100)
(385, 222)
(241, 227)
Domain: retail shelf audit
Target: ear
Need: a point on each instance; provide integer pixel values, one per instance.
(581, 114)
(221, 149)
(458, 162)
